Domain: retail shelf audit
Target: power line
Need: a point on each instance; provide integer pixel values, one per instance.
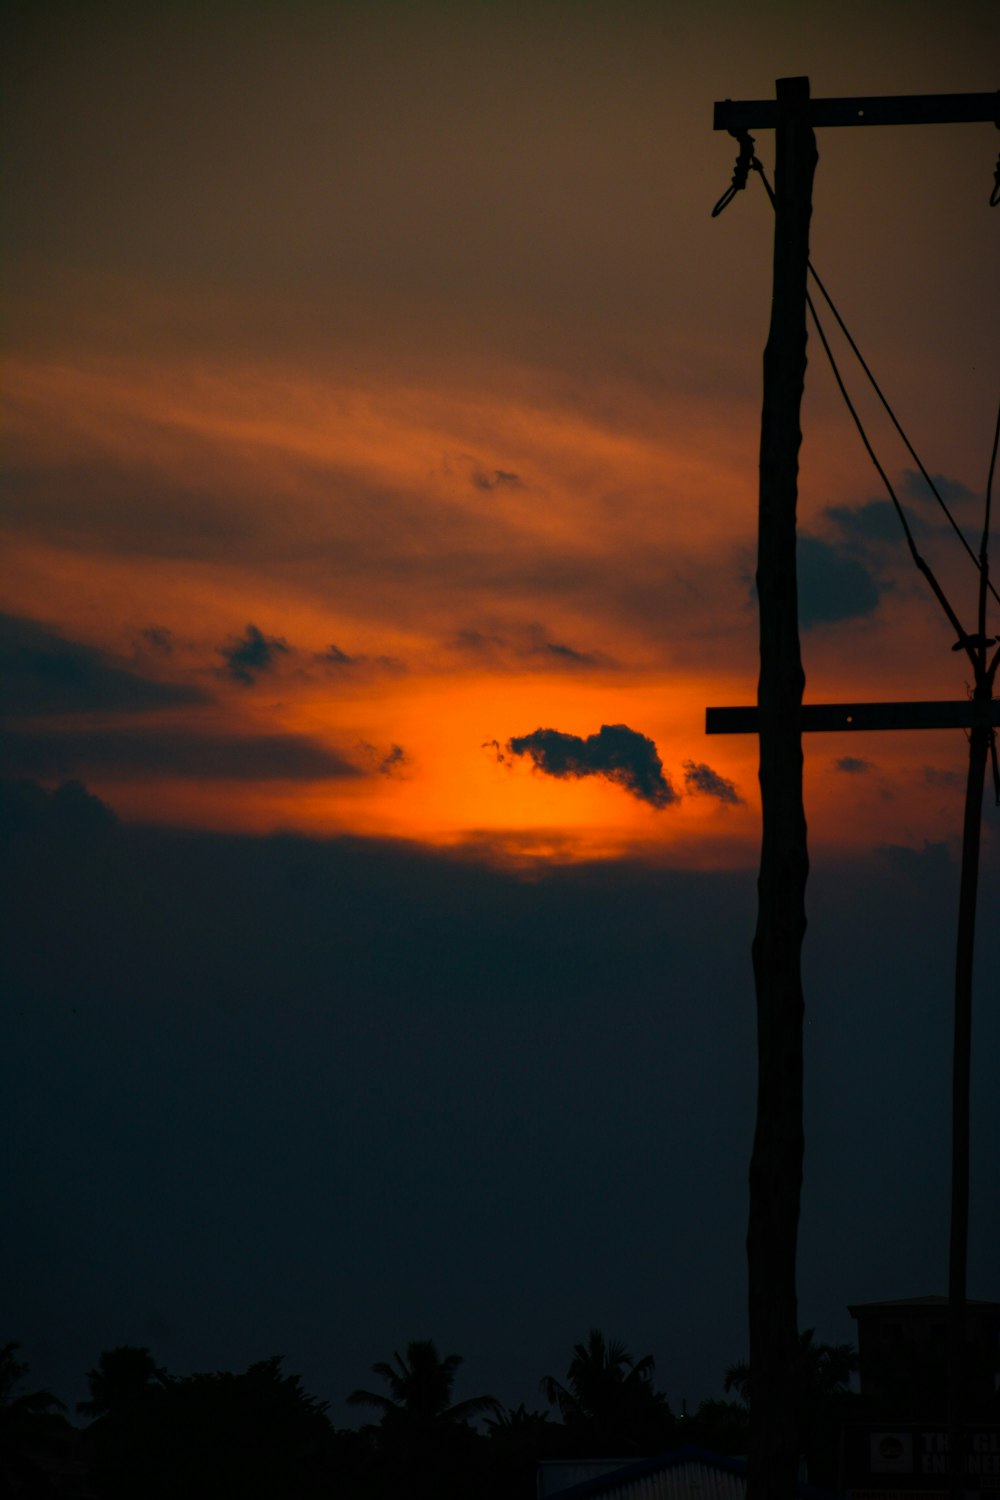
(746, 160)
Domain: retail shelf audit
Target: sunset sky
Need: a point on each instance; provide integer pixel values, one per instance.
(381, 420)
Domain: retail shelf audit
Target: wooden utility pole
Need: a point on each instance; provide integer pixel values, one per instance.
(776, 1163)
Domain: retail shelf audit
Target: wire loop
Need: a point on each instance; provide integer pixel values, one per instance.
(744, 161)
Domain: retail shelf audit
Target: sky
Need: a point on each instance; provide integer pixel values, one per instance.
(381, 411)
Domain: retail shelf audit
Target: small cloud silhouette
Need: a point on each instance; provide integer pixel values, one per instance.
(333, 659)
(699, 778)
(617, 753)
(248, 656)
(494, 480)
(571, 657)
(392, 762)
(935, 777)
(853, 765)
(159, 638)
(498, 754)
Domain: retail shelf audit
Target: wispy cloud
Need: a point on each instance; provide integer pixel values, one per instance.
(392, 763)
(516, 647)
(700, 778)
(496, 479)
(873, 523)
(185, 753)
(338, 662)
(253, 654)
(853, 765)
(159, 638)
(47, 673)
(915, 487)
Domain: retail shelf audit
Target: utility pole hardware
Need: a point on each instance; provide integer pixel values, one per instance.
(779, 721)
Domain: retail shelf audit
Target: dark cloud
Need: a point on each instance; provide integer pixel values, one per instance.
(336, 660)
(253, 653)
(171, 752)
(570, 656)
(616, 752)
(334, 657)
(701, 778)
(495, 479)
(935, 777)
(44, 673)
(70, 811)
(874, 522)
(915, 487)
(528, 645)
(497, 748)
(832, 585)
(159, 637)
(853, 765)
(378, 759)
(393, 762)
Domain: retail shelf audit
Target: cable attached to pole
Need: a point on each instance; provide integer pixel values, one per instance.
(920, 562)
(744, 161)
(746, 148)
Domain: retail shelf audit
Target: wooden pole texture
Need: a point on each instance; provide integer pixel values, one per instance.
(776, 1163)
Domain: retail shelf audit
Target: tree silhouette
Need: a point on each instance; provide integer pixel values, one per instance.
(31, 1429)
(824, 1399)
(518, 1440)
(424, 1445)
(204, 1436)
(421, 1384)
(125, 1437)
(125, 1378)
(253, 1434)
(609, 1398)
(719, 1426)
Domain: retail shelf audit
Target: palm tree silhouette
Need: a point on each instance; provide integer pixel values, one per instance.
(420, 1383)
(610, 1396)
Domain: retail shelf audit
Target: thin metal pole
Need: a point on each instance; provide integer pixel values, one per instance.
(776, 1163)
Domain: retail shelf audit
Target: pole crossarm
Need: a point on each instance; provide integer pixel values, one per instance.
(891, 109)
(826, 717)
